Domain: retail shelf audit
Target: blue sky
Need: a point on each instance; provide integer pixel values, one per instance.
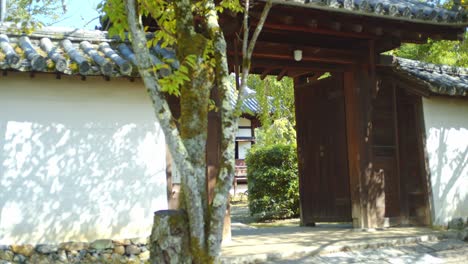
(79, 13)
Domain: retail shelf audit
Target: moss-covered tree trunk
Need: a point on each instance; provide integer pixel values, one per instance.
(198, 37)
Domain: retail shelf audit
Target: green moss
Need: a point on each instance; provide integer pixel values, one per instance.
(200, 255)
(74, 67)
(50, 65)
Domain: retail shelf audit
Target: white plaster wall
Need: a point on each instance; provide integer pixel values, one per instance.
(244, 122)
(244, 132)
(244, 147)
(79, 160)
(446, 122)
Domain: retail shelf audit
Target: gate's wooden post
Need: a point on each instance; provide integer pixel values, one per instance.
(366, 185)
(352, 134)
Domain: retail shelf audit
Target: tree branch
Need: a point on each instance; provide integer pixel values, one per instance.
(248, 47)
(164, 116)
(229, 118)
(228, 126)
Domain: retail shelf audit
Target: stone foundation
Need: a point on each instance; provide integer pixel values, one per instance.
(133, 251)
(457, 223)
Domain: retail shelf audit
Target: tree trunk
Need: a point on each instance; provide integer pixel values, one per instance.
(169, 240)
(192, 235)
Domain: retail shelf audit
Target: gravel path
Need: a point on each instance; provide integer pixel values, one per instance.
(449, 251)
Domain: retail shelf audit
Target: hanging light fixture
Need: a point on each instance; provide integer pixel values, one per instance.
(297, 55)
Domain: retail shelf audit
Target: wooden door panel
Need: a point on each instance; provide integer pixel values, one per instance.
(321, 134)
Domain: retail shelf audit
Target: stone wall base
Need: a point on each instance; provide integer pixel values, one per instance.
(133, 251)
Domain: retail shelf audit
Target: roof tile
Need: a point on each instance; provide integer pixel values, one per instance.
(440, 79)
(392, 9)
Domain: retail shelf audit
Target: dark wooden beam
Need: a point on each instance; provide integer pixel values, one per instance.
(386, 44)
(385, 61)
(316, 30)
(280, 76)
(294, 69)
(309, 20)
(317, 54)
(358, 28)
(313, 40)
(265, 73)
(310, 77)
(294, 73)
(378, 31)
(335, 26)
(306, 66)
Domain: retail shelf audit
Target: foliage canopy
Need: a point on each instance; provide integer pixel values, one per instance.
(273, 181)
(454, 53)
(32, 14)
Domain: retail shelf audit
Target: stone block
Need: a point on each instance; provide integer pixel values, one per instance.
(120, 250)
(25, 250)
(106, 257)
(139, 241)
(132, 250)
(122, 242)
(6, 255)
(133, 260)
(463, 235)
(73, 246)
(144, 255)
(456, 223)
(19, 258)
(62, 255)
(46, 248)
(39, 259)
(102, 244)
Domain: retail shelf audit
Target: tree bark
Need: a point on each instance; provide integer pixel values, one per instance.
(169, 240)
(190, 196)
(187, 141)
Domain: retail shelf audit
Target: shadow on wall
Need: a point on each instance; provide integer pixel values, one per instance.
(79, 170)
(61, 184)
(447, 145)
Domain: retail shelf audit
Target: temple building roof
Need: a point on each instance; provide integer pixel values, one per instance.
(412, 10)
(93, 53)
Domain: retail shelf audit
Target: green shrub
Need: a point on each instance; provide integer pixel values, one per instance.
(273, 183)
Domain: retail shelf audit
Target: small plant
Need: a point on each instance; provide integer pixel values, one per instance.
(273, 183)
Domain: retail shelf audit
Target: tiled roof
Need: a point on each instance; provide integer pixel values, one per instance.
(82, 52)
(250, 104)
(440, 79)
(413, 10)
(70, 52)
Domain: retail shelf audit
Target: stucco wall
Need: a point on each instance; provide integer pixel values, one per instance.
(79, 160)
(446, 122)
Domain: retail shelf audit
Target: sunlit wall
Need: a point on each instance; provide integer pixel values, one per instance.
(446, 123)
(79, 160)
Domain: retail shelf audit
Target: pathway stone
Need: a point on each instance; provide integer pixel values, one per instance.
(449, 251)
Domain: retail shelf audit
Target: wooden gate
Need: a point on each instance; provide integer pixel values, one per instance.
(398, 152)
(322, 149)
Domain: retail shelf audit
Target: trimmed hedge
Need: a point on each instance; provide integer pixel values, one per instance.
(273, 182)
